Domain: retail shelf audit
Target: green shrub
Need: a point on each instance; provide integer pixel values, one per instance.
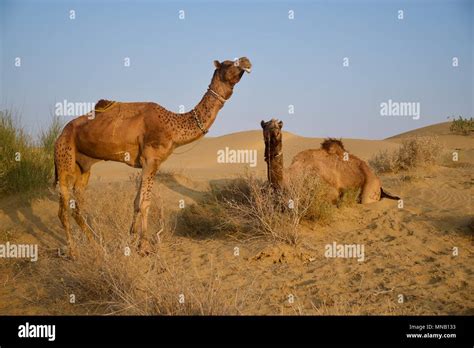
(463, 126)
(23, 165)
(49, 135)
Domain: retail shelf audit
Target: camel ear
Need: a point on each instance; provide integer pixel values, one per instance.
(280, 124)
(262, 124)
(217, 64)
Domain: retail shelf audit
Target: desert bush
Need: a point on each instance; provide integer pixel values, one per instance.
(278, 215)
(249, 207)
(416, 152)
(206, 219)
(463, 126)
(384, 162)
(24, 166)
(212, 215)
(419, 152)
(108, 216)
(49, 135)
(116, 281)
(111, 278)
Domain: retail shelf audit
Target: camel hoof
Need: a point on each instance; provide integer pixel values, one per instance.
(66, 253)
(144, 248)
(72, 253)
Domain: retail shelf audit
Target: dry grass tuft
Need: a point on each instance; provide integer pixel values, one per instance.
(278, 215)
(248, 206)
(205, 219)
(416, 152)
(116, 282)
(111, 278)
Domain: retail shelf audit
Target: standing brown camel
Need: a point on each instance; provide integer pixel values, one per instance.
(332, 163)
(142, 135)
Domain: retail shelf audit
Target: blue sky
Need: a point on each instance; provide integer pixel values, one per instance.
(295, 62)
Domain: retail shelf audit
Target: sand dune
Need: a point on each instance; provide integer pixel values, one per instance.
(409, 251)
(199, 160)
(451, 142)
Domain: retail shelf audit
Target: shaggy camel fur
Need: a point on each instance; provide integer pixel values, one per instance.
(140, 134)
(331, 162)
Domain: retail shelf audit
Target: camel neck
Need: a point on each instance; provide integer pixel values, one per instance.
(275, 170)
(197, 122)
(274, 159)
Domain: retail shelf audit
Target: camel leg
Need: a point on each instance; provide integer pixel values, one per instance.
(333, 194)
(64, 201)
(370, 193)
(371, 189)
(142, 203)
(64, 159)
(82, 178)
(136, 210)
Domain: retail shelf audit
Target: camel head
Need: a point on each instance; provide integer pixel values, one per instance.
(230, 72)
(272, 135)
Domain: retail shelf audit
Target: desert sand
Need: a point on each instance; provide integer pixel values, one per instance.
(408, 251)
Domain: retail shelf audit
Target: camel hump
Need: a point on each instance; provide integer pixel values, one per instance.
(331, 145)
(103, 105)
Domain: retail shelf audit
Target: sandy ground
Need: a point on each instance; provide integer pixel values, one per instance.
(408, 252)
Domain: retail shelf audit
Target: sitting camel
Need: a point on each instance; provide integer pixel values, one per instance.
(140, 134)
(331, 162)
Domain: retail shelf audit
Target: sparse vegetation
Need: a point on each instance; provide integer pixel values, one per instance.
(250, 207)
(113, 279)
(211, 279)
(48, 137)
(416, 152)
(462, 126)
(206, 219)
(190, 276)
(25, 164)
(278, 214)
(384, 162)
(112, 282)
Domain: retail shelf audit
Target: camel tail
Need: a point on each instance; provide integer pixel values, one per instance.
(386, 194)
(55, 173)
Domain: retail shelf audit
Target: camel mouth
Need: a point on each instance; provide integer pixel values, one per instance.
(244, 64)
